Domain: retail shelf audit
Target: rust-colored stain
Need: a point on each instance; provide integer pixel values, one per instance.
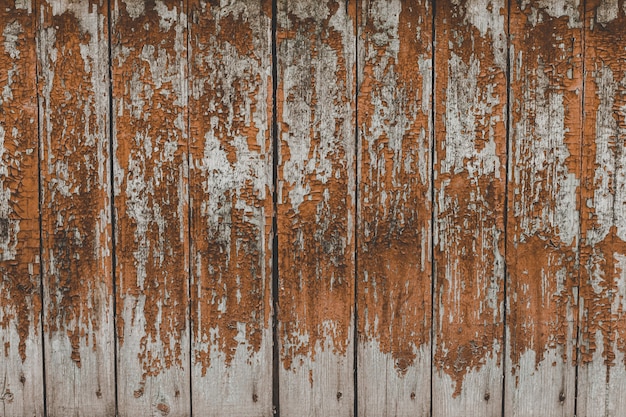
(543, 229)
(603, 248)
(230, 178)
(20, 307)
(394, 237)
(150, 138)
(470, 177)
(316, 178)
(75, 206)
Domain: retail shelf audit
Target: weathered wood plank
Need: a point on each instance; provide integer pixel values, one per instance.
(394, 207)
(149, 71)
(316, 199)
(75, 207)
(543, 215)
(231, 207)
(470, 165)
(21, 361)
(602, 365)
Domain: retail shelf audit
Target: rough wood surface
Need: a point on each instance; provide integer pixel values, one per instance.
(149, 70)
(75, 208)
(543, 209)
(394, 207)
(602, 364)
(470, 165)
(316, 199)
(21, 360)
(231, 207)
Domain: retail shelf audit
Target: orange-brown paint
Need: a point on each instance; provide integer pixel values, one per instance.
(469, 188)
(394, 255)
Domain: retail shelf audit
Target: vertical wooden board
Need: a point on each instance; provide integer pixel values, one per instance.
(231, 207)
(149, 70)
(602, 365)
(75, 207)
(21, 360)
(394, 207)
(543, 207)
(316, 199)
(470, 166)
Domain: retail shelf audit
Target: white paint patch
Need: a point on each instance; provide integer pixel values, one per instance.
(135, 8)
(24, 5)
(556, 9)
(539, 144)
(470, 110)
(607, 11)
(305, 9)
(11, 35)
(488, 17)
(607, 153)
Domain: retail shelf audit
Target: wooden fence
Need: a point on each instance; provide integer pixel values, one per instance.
(313, 208)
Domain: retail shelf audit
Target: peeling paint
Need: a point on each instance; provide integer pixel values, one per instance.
(394, 272)
(231, 206)
(150, 141)
(316, 186)
(21, 363)
(544, 198)
(603, 251)
(470, 148)
(77, 277)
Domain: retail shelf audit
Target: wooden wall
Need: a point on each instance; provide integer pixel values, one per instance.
(313, 208)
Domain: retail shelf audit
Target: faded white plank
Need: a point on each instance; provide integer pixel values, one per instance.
(21, 357)
(316, 190)
(470, 161)
(602, 364)
(75, 208)
(394, 217)
(543, 212)
(149, 71)
(231, 207)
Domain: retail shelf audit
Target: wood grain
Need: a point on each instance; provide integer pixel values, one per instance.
(394, 207)
(543, 210)
(149, 71)
(231, 207)
(21, 360)
(602, 364)
(316, 199)
(470, 166)
(75, 208)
